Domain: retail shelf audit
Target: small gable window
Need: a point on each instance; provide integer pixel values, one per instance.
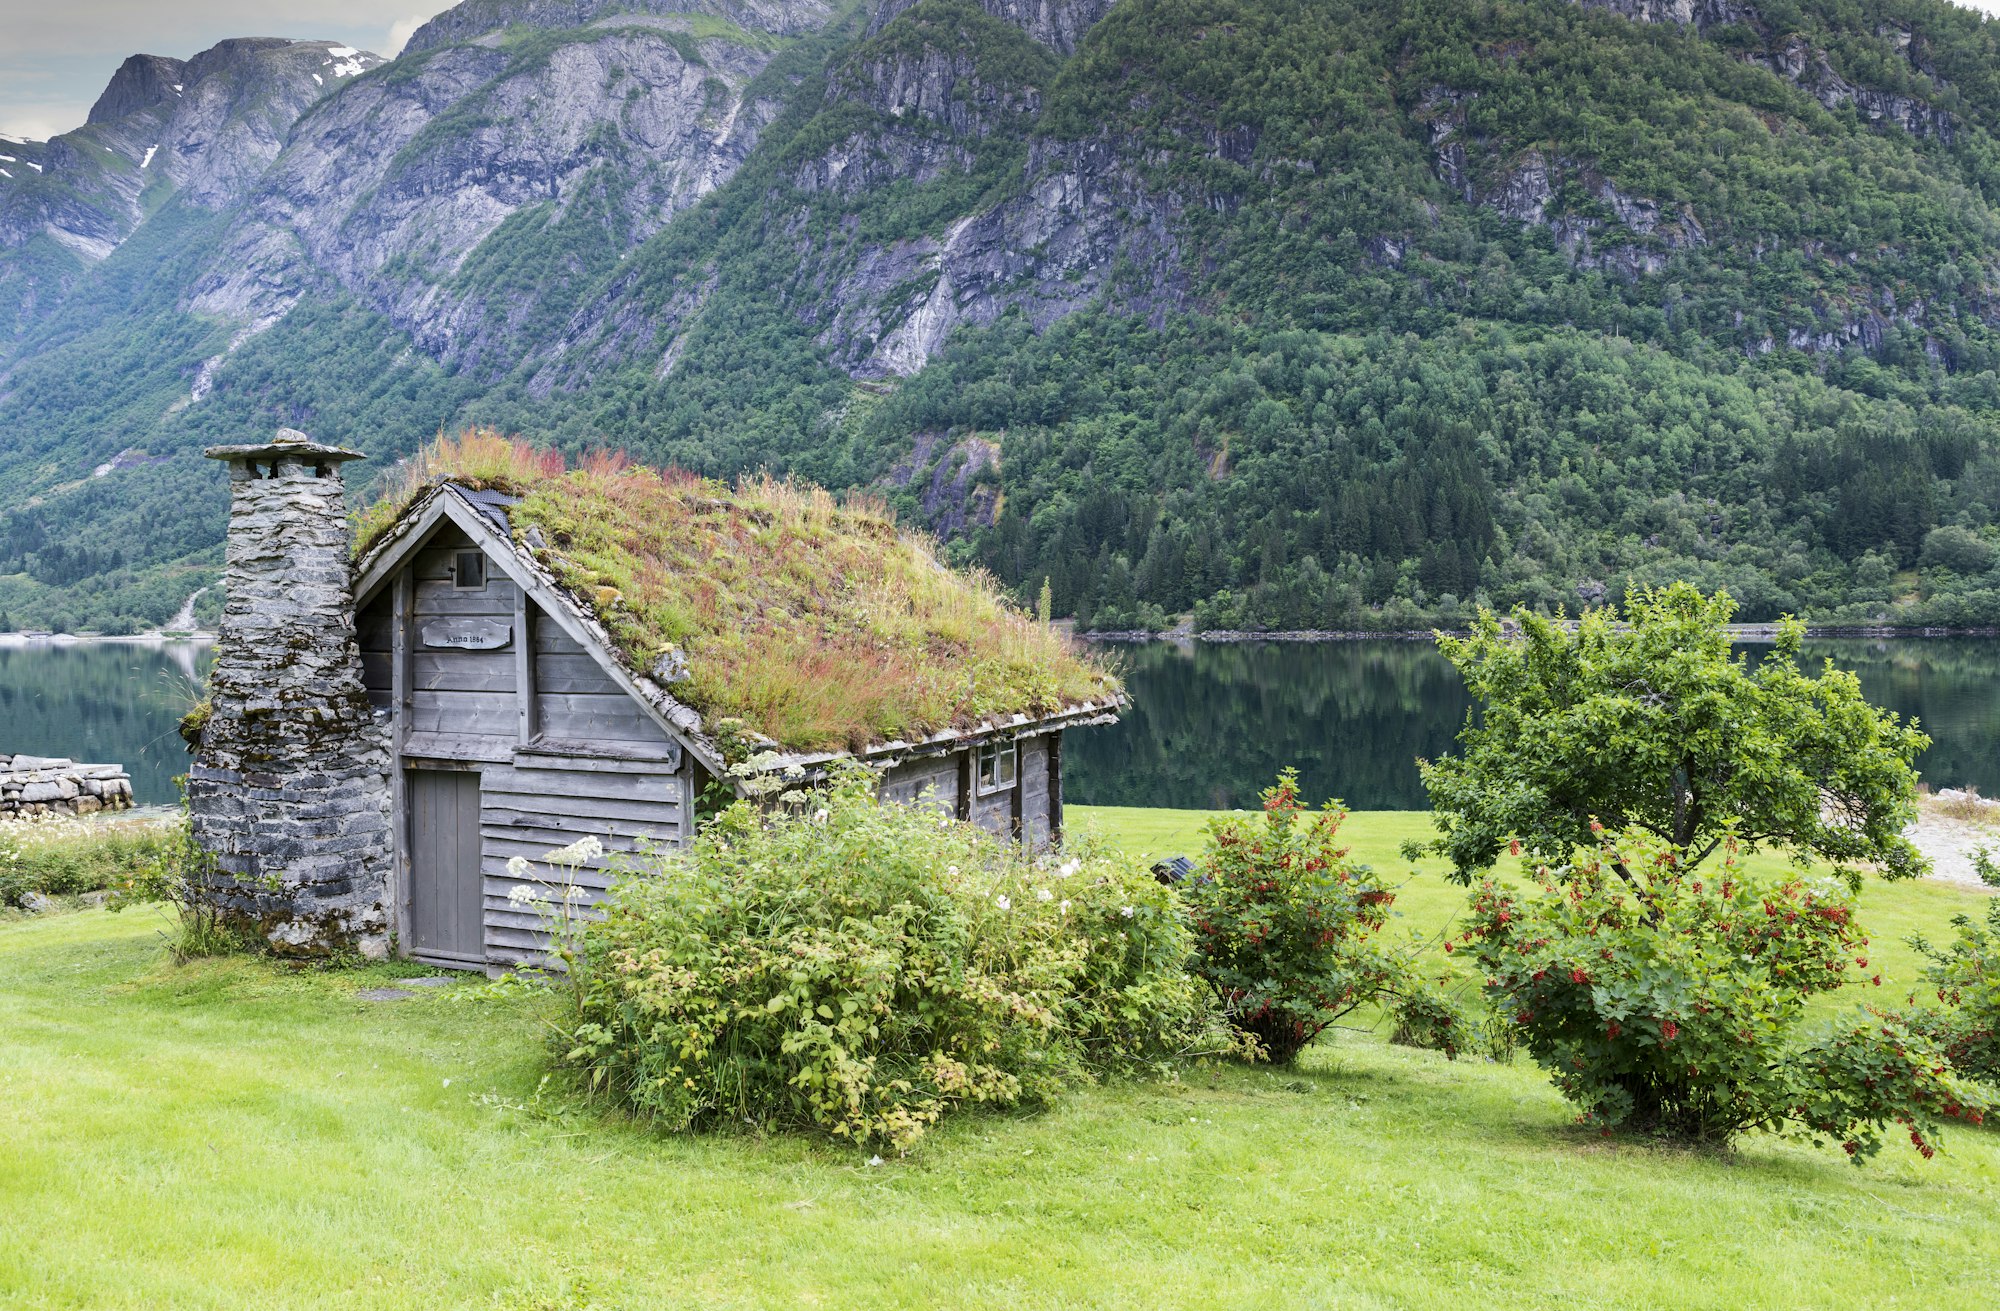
(468, 571)
(997, 766)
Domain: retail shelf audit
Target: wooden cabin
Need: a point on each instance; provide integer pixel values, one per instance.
(529, 706)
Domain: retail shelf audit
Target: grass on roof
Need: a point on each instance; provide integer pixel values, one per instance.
(817, 623)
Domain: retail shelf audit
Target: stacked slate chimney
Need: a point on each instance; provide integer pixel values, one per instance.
(289, 791)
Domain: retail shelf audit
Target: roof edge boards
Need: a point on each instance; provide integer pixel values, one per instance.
(678, 721)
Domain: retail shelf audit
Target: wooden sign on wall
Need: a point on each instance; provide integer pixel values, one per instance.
(468, 634)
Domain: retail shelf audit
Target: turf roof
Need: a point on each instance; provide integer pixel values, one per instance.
(816, 624)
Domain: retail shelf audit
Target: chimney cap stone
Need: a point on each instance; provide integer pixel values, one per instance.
(288, 442)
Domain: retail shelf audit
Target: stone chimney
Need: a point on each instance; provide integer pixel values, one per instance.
(289, 790)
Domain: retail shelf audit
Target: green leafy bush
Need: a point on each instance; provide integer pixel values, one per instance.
(1667, 1001)
(1966, 978)
(1856, 1078)
(1285, 923)
(866, 968)
(60, 856)
(1426, 1015)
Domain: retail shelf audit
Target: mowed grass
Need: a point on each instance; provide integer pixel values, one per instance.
(1428, 904)
(237, 1134)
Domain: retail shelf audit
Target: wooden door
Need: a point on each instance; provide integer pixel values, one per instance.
(447, 901)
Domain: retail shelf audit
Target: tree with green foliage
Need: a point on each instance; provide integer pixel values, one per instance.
(1651, 724)
(1745, 342)
(1615, 756)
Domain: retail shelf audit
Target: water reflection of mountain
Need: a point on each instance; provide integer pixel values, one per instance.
(1950, 685)
(1212, 724)
(110, 702)
(1210, 727)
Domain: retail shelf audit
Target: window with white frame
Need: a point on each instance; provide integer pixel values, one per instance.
(998, 762)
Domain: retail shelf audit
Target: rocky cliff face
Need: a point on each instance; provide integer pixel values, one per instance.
(1076, 209)
(1800, 64)
(432, 190)
(1623, 234)
(469, 149)
(1058, 24)
(480, 18)
(1795, 59)
(141, 83)
(1697, 14)
(201, 130)
(1048, 251)
(408, 189)
(745, 222)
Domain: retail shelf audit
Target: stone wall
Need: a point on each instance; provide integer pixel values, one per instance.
(290, 787)
(49, 785)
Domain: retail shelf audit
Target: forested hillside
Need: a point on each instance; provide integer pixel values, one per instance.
(1282, 313)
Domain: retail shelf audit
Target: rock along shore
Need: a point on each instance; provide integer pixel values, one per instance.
(51, 785)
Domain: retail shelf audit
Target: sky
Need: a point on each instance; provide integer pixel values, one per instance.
(58, 54)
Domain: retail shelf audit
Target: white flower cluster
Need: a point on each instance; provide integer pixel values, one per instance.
(538, 895)
(763, 774)
(577, 852)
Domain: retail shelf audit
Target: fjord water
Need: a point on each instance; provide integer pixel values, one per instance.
(114, 703)
(1210, 725)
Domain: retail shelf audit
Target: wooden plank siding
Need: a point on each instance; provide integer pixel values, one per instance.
(457, 704)
(930, 780)
(993, 811)
(543, 801)
(374, 633)
(576, 701)
(558, 748)
(1055, 788)
(1033, 792)
(447, 850)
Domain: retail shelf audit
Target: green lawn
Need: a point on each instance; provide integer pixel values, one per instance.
(1426, 902)
(234, 1134)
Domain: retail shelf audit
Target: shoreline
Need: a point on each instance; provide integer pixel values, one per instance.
(156, 638)
(1186, 635)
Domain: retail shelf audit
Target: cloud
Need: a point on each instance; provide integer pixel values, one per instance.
(403, 29)
(56, 58)
(40, 124)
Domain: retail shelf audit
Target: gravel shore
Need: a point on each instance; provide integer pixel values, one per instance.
(1949, 829)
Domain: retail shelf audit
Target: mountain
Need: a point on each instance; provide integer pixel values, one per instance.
(202, 130)
(1290, 313)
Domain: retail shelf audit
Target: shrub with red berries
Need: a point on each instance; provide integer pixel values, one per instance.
(1965, 979)
(1876, 1070)
(1671, 1001)
(1285, 922)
